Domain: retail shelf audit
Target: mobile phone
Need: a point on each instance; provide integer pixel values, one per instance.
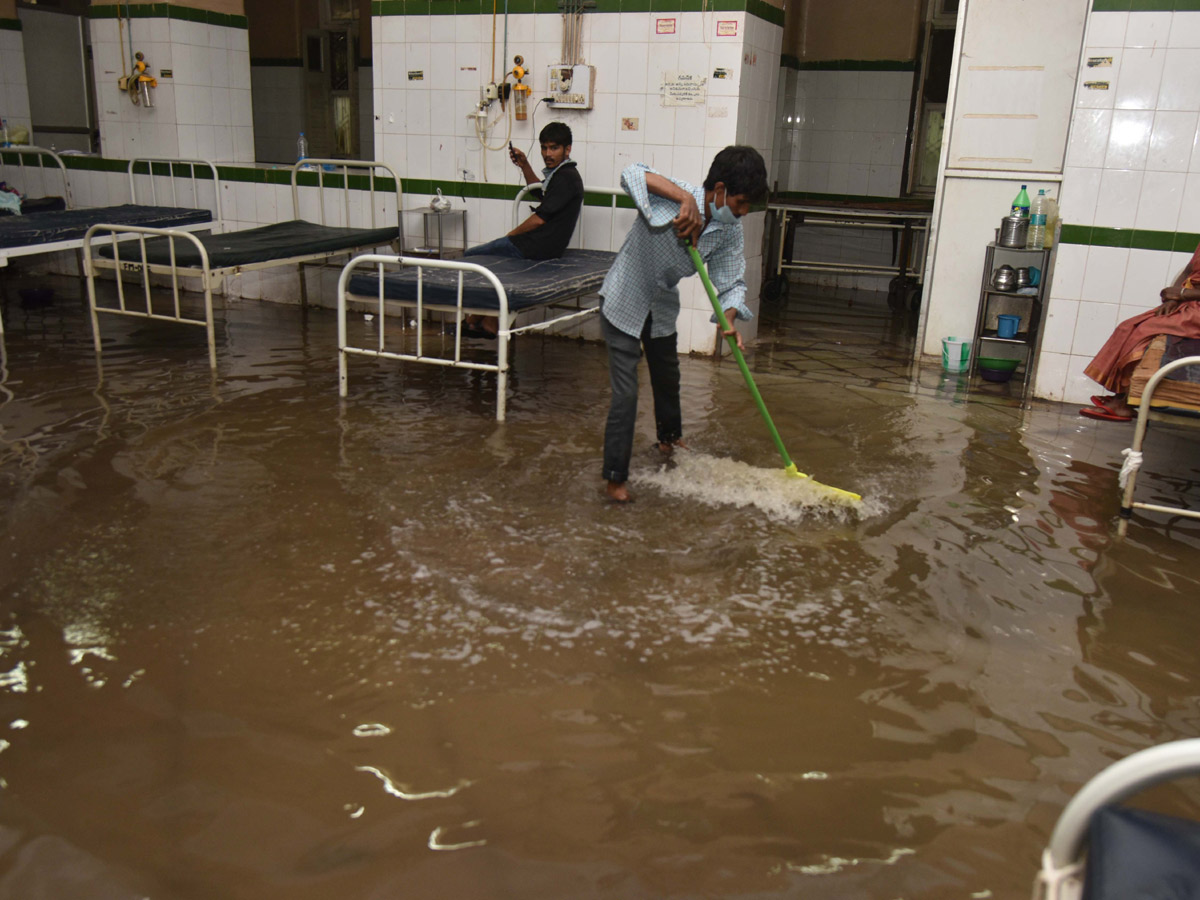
(510, 146)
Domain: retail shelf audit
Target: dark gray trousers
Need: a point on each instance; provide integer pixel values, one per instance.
(662, 358)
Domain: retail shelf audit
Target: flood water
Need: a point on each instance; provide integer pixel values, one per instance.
(259, 642)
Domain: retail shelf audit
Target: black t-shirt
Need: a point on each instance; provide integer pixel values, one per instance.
(559, 210)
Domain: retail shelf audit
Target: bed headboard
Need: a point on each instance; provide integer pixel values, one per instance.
(179, 182)
(335, 174)
(577, 239)
(46, 159)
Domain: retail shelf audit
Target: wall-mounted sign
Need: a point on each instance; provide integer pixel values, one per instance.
(727, 28)
(416, 75)
(683, 89)
(720, 73)
(1099, 61)
(664, 26)
(1096, 85)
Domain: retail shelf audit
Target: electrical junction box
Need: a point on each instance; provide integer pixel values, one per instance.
(572, 86)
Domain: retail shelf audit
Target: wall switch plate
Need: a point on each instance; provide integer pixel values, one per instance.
(571, 87)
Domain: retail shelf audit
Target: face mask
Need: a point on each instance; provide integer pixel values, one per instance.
(722, 214)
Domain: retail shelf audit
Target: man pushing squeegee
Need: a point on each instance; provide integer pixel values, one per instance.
(640, 300)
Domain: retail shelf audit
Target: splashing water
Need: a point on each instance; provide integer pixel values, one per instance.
(727, 482)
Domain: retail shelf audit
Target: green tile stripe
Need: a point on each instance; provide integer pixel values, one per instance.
(1129, 238)
(757, 8)
(1145, 5)
(10, 24)
(290, 62)
(166, 11)
(788, 61)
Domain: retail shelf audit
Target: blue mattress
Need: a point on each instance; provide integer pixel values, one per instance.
(527, 282)
(283, 240)
(72, 224)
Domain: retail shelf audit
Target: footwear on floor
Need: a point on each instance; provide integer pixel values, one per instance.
(1099, 412)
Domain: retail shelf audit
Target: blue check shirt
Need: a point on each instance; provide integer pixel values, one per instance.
(651, 262)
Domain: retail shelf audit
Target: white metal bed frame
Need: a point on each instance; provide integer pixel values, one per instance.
(77, 244)
(1061, 875)
(212, 278)
(1134, 454)
(382, 306)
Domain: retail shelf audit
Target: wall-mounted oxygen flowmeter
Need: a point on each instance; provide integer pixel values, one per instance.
(572, 86)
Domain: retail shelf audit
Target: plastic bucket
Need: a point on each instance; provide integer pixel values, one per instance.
(956, 354)
(1007, 326)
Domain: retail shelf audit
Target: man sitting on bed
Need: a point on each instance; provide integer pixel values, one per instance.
(547, 231)
(1178, 315)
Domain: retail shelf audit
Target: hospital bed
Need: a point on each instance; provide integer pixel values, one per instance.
(475, 285)
(66, 229)
(1100, 849)
(346, 191)
(1165, 388)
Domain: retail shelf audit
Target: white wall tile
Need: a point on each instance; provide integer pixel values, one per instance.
(1093, 326)
(1158, 205)
(1189, 212)
(1129, 139)
(1138, 84)
(1059, 333)
(1107, 29)
(1117, 202)
(1070, 266)
(1104, 279)
(1148, 29)
(1146, 268)
(1089, 137)
(1172, 141)
(1180, 87)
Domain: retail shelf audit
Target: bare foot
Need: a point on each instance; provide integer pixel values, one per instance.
(618, 492)
(666, 449)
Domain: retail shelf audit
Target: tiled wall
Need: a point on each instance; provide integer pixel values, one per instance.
(842, 131)
(423, 128)
(14, 97)
(1131, 186)
(202, 111)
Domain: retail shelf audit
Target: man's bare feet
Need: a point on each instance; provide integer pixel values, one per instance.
(618, 492)
(667, 448)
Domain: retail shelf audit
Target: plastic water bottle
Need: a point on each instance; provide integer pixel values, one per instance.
(301, 147)
(1020, 205)
(1051, 219)
(1036, 239)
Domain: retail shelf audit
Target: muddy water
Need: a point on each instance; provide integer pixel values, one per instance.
(257, 642)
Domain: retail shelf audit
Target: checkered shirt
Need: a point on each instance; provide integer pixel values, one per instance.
(651, 262)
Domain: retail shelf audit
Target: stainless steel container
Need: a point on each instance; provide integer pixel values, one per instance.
(1013, 231)
(1004, 278)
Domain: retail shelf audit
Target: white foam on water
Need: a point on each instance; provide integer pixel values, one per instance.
(728, 482)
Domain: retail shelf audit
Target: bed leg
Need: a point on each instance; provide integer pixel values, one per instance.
(343, 374)
(303, 285)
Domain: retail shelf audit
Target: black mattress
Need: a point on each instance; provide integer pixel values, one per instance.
(37, 205)
(282, 240)
(527, 282)
(72, 224)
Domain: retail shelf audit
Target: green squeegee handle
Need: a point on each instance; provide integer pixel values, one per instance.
(737, 354)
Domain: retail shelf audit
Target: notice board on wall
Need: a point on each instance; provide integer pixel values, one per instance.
(1017, 71)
